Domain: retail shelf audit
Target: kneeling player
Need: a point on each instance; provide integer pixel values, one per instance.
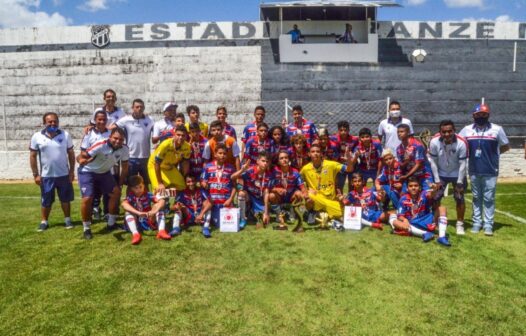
(192, 207)
(389, 179)
(287, 185)
(257, 180)
(138, 207)
(368, 200)
(415, 214)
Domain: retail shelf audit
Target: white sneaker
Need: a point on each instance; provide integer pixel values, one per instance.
(460, 230)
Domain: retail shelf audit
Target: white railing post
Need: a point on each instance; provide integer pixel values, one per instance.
(387, 106)
(287, 110)
(483, 101)
(515, 57)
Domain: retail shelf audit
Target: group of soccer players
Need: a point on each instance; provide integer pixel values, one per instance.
(275, 170)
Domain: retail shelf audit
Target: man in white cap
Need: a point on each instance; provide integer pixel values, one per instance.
(388, 128)
(486, 142)
(166, 124)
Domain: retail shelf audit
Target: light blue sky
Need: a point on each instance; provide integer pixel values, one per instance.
(16, 13)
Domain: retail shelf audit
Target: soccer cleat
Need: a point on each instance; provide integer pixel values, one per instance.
(206, 232)
(428, 236)
(242, 223)
(88, 235)
(336, 225)
(136, 238)
(460, 230)
(444, 241)
(96, 213)
(43, 227)
(68, 225)
(377, 226)
(475, 229)
(162, 234)
(488, 232)
(175, 231)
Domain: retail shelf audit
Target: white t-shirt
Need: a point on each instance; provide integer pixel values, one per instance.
(448, 157)
(93, 136)
(112, 117)
(52, 152)
(138, 135)
(389, 132)
(162, 126)
(105, 157)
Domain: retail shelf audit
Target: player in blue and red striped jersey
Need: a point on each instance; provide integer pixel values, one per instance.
(278, 142)
(216, 178)
(389, 179)
(329, 149)
(299, 155)
(221, 115)
(343, 140)
(367, 199)
(256, 145)
(302, 126)
(367, 155)
(251, 128)
(287, 184)
(139, 209)
(411, 154)
(257, 183)
(192, 206)
(415, 214)
(197, 144)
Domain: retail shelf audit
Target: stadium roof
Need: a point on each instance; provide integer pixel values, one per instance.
(334, 3)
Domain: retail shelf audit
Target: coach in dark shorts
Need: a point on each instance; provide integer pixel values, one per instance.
(448, 158)
(54, 149)
(95, 172)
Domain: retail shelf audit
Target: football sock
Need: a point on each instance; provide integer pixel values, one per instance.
(161, 220)
(44, 222)
(112, 219)
(207, 219)
(67, 220)
(392, 218)
(366, 222)
(460, 223)
(416, 231)
(176, 220)
(132, 224)
(442, 226)
(86, 225)
(242, 207)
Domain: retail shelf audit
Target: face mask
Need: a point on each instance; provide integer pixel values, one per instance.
(481, 121)
(51, 129)
(395, 114)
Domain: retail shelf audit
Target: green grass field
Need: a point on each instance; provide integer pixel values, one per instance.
(258, 282)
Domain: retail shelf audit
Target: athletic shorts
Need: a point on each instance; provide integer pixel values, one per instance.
(189, 216)
(139, 167)
(63, 186)
(424, 222)
(459, 197)
(88, 182)
(256, 204)
(372, 215)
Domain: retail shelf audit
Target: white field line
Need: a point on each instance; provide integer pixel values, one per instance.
(507, 214)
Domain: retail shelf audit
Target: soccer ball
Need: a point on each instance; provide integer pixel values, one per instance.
(419, 55)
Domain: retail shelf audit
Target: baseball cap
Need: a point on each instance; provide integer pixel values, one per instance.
(168, 105)
(481, 108)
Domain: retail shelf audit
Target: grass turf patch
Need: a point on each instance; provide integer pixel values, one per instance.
(258, 282)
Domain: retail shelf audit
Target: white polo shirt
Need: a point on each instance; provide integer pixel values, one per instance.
(448, 157)
(52, 152)
(105, 157)
(138, 135)
(162, 126)
(93, 136)
(113, 117)
(389, 132)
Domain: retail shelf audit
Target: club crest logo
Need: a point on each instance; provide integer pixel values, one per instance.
(228, 217)
(100, 35)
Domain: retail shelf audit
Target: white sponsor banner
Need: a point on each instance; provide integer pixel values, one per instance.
(229, 220)
(352, 218)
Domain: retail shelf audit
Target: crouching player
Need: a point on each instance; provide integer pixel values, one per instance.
(192, 207)
(415, 214)
(257, 182)
(389, 179)
(139, 209)
(287, 185)
(368, 200)
(216, 178)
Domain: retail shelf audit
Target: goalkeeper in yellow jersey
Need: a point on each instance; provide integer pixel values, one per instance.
(320, 179)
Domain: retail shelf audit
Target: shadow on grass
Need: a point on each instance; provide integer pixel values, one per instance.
(468, 223)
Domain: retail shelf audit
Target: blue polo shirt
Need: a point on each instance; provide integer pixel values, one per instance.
(484, 148)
